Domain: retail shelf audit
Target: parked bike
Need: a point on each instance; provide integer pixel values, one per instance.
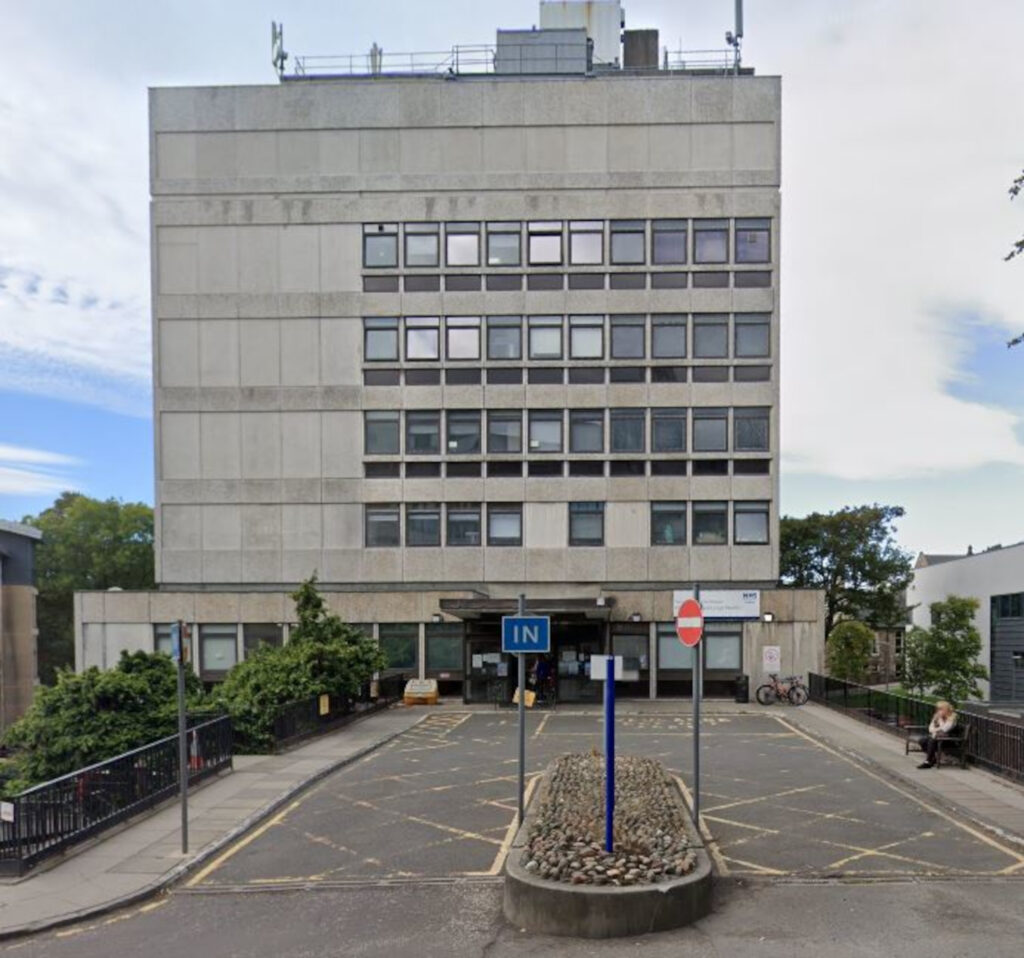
(789, 689)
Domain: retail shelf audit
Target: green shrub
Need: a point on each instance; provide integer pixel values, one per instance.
(848, 649)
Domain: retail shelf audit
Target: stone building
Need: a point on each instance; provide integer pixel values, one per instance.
(18, 634)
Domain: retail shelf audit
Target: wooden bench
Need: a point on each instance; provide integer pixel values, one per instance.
(953, 745)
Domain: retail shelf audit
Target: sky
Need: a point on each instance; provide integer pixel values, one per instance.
(902, 129)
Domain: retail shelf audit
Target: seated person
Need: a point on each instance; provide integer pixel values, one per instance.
(943, 722)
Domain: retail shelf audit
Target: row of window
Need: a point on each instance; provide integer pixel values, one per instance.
(555, 468)
(629, 430)
(661, 242)
(556, 375)
(588, 337)
(705, 278)
(463, 524)
(1009, 606)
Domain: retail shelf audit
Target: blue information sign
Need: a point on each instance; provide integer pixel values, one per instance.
(523, 633)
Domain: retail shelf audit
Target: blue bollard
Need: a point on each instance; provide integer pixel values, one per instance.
(609, 752)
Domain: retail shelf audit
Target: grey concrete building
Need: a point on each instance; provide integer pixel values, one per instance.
(19, 662)
(444, 337)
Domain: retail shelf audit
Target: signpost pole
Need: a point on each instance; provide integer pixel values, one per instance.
(698, 691)
(178, 646)
(609, 752)
(521, 657)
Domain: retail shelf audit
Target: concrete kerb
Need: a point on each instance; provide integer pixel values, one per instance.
(588, 911)
(205, 854)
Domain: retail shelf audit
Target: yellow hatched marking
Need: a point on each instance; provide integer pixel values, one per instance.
(510, 833)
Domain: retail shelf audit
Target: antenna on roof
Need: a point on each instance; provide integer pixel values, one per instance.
(734, 38)
(277, 52)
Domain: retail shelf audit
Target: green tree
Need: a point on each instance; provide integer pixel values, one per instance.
(914, 665)
(953, 647)
(853, 556)
(848, 650)
(87, 544)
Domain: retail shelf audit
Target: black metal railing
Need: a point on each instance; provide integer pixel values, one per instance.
(991, 743)
(51, 817)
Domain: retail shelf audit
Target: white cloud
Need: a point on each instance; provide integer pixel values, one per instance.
(33, 472)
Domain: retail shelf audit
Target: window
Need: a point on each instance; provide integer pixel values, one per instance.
(724, 647)
(628, 242)
(462, 244)
(381, 430)
(444, 646)
(504, 337)
(668, 523)
(382, 527)
(545, 337)
(505, 431)
(750, 425)
(463, 524)
(504, 524)
(753, 241)
(586, 242)
(710, 523)
(545, 243)
(255, 634)
(422, 433)
(218, 647)
(423, 377)
(503, 244)
(668, 242)
(632, 645)
(422, 524)
(382, 470)
(711, 241)
(586, 523)
(162, 639)
(752, 336)
(547, 375)
(668, 430)
(711, 336)
(380, 340)
(586, 337)
(628, 337)
(463, 432)
(380, 245)
(382, 377)
(586, 430)
(399, 641)
(628, 429)
(710, 430)
(421, 245)
(672, 654)
(668, 336)
(463, 334)
(585, 375)
(422, 338)
(750, 523)
(545, 430)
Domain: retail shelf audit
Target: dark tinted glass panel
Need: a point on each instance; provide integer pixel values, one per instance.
(751, 467)
(381, 377)
(422, 284)
(586, 468)
(710, 280)
(504, 377)
(710, 374)
(628, 280)
(668, 467)
(669, 280)
(382, 470)
(547, 375)
(422, 470)
(462, 470)
(380, 284)
(499, 469)
(751, 374)
(461, 284)
(462, 377)
(627, 467)
(668, 374)
(753, 280)
(498, 282)
(586, 281)
(711, 467)
(544, 468)
(627, 374)
(422, 377)
(586, 374)
(545, 281)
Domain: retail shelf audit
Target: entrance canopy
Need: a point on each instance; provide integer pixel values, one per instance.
(473, 609)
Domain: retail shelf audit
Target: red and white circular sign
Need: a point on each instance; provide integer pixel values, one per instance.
(689, 622)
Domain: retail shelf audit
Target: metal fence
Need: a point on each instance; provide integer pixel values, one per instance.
(995, 745)
(48, 818)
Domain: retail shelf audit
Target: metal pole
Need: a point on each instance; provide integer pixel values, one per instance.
(698, 682)
(609, 752)
(521, 656)
(182, 740)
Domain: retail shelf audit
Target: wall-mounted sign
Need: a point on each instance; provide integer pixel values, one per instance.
(771, 658)
(723, 603)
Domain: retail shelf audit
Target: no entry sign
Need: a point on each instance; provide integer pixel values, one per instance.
(689, 622)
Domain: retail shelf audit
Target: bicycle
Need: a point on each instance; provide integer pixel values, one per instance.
(790, 689)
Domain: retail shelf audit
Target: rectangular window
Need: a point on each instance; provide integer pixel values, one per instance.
(586, 523)
(218, 647)
(504, 337)
(545, 337)
(586, 337)
(463, 524)
(710, 429)
(422, 245)
(462, 244)
(753, 241)
(382, 527)
(422, 338)
(505, 431)
(545, 430)
(381, 432)
(628, 336)
(400, 643)
(422, 433)
(504, 524)
(380, 339)
(711, 241)
(463, 432)
(503, 244)
(255, 634)
(723, 651)
(750, 523)
(463, 335)
(444, 646)
(586, 242)
(422, 524)
(668, 336)
(750, 425)
(628, 242)
(668, 523)
(586, 430)
(162, 639)
(380, 245)
(585, 375)
(672, 654)
(547, 376)
(628, 430)
(752, 335)
(711, 336)
(668, 430)
(669, 242)
(710, 523)
(545, 243)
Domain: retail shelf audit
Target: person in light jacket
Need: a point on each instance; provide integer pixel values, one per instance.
(943, 722)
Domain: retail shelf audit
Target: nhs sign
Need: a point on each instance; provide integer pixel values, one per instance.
(521, 633)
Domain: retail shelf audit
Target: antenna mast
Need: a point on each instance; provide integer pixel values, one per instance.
(277, 53)
(734, 38)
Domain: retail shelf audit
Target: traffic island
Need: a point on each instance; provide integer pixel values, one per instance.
(560, 880)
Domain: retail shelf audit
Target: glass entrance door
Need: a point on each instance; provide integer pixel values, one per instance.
(573, 644)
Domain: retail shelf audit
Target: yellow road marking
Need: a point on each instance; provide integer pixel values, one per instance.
(765, 798)
(510, 833)
(754, 828)
(543, 722)
(759, 869)
(705, 833)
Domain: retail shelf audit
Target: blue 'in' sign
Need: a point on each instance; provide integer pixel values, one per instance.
(525, 633)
